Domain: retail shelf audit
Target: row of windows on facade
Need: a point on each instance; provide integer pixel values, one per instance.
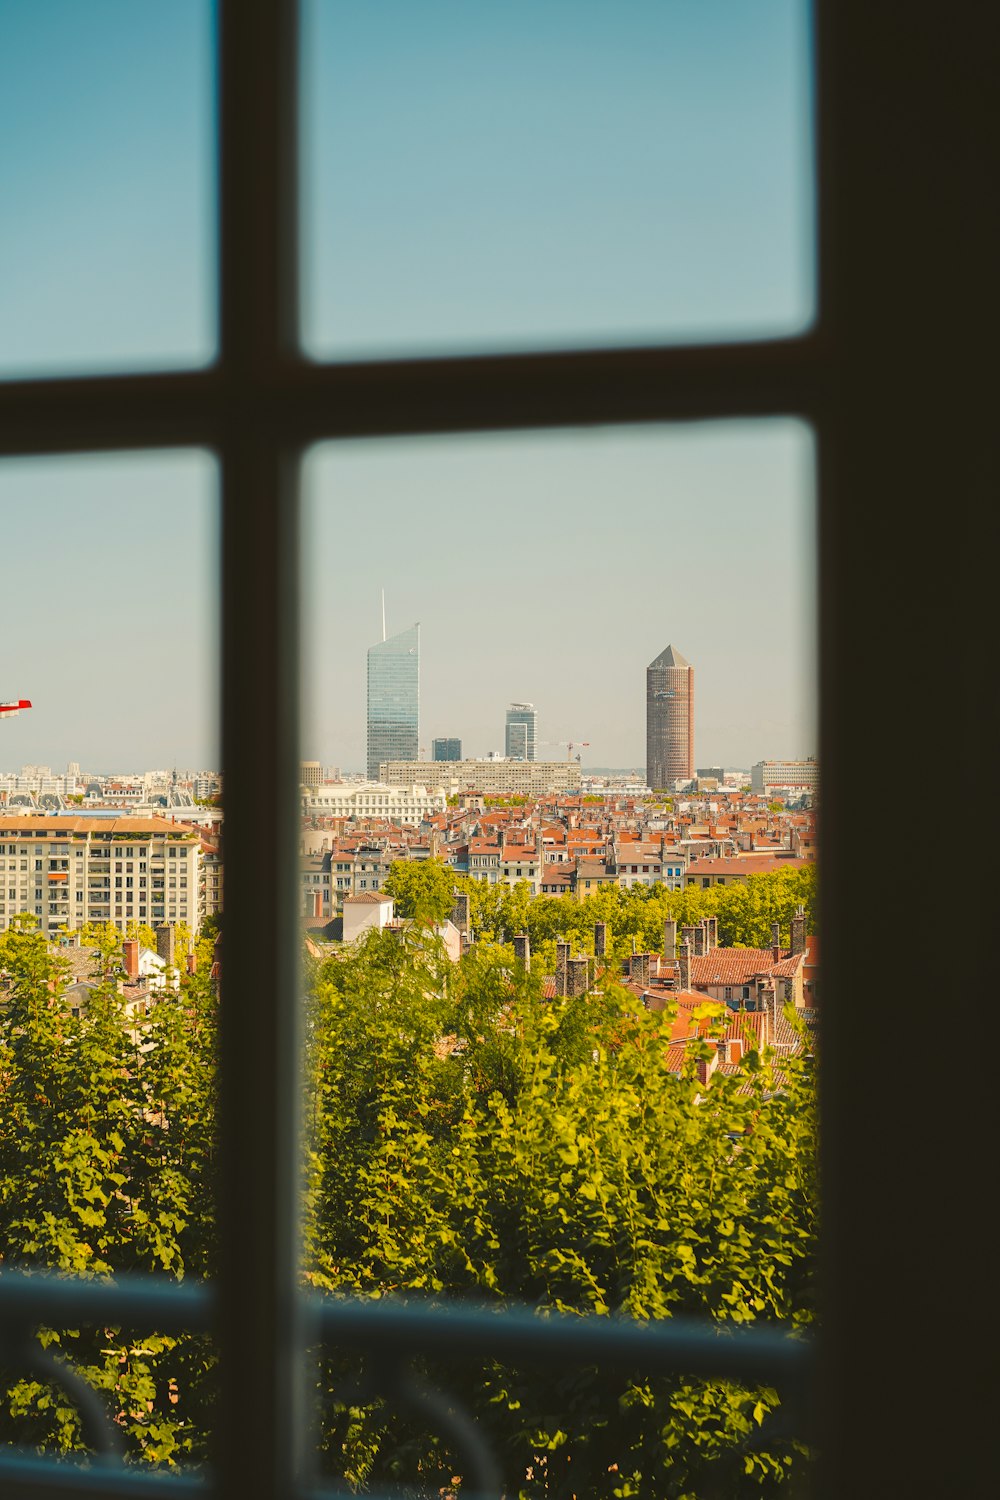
(54, 850)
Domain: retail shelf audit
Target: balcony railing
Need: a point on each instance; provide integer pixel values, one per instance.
(395, 1333)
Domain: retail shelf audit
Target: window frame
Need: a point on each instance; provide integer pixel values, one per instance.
(890, 381)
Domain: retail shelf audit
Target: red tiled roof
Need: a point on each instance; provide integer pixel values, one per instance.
(733, 965)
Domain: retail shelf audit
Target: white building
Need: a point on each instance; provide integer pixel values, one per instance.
(373, 799)
(365, 911)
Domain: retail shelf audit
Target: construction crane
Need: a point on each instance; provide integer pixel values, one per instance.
(569, 746)
(12, 707)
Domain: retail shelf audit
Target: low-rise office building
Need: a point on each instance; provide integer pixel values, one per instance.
(494, 778)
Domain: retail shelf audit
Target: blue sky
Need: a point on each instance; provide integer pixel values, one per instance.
(476, 176)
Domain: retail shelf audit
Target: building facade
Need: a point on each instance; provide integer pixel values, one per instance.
(69, 870)
(446, 749)
(394, 700)
(520, 731)
(494, 778)
(803, 775)
(669, 719)
(377, 799)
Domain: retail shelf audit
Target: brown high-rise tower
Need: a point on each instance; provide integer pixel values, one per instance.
(669, 719)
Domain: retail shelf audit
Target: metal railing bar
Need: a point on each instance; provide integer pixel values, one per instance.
(151, 1301)
(298, 402)
(39, 1478)
(672, 1345)
(678, 1345)
(42, 1478)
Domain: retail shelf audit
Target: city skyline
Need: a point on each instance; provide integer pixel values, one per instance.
(713, 544)
(545, 567)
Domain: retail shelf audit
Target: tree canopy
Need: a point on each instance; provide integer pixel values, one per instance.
(466, 1139)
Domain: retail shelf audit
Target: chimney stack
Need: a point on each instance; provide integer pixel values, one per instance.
(799, 930)
(522, 950)
(166, 943)
(130, 958)
(192, 963)
(684, 966)
(460, 911)
(640, 969)
(775, 941)
(562, 960)
(600, 939)
(712, 931)
(670, 938)
(577, 976)
(699, 939)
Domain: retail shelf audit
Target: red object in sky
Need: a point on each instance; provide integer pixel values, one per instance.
(14, 706)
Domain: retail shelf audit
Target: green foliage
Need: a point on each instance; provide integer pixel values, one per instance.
(745, 912)
(546, 1154)
(466, 1139)
(106, 1155)
(422, 889)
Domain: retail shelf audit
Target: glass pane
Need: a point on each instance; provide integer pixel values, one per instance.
(110, 890)
(107, 181)
(576, 908)
(575, 172)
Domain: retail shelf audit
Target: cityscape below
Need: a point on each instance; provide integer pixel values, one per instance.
(146, 847)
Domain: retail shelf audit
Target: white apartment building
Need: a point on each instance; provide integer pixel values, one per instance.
(801, 774)
(67, 870)
(400, 803)
(40, 781)
(494, 778)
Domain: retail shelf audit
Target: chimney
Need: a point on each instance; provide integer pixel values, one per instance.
(192, 963)
(562, 960)
(577, 975)
(522, 950)
(706, 1067)
(687, 936)
(712, 931)
(699, 940)
(600, 939)
(640, 969)
(799, 930)
(684, 966)
(130, 957)
(775, 941)
(460, 911)
(166, 943)
(670, 938)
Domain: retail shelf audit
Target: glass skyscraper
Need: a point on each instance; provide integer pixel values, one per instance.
(394, 699)
(519, 743)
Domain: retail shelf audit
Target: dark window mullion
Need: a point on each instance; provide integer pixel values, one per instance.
(257, 1438)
